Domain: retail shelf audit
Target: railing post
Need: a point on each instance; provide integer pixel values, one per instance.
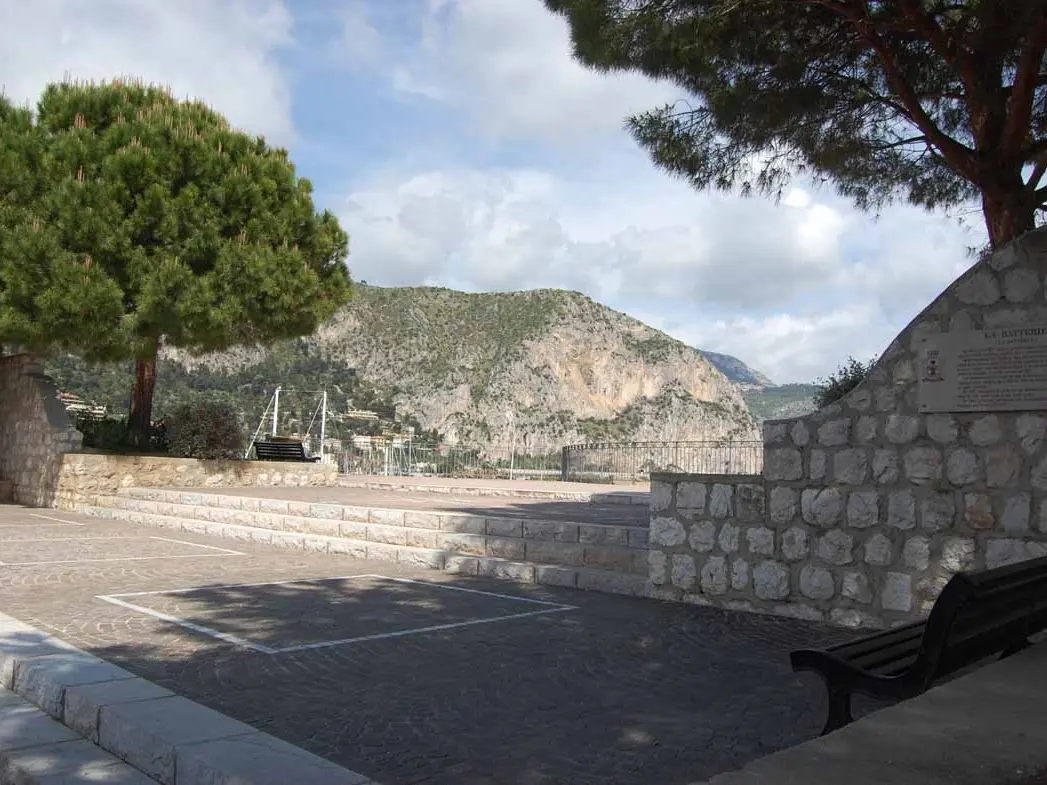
(563, 464)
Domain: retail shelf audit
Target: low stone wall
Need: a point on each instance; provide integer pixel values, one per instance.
(712, 543)
(34, 432)
(85, 478)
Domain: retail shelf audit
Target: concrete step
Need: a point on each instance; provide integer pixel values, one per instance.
(280, 513)
(569, 491)
(572, 564)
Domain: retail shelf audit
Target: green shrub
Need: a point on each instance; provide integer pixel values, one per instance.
(206, 429)
(105, 433)
(111, 434)
(846, 378)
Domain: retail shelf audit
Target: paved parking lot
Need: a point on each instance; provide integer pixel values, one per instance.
(415, 676)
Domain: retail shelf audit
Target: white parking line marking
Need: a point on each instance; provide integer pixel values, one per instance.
(552, 607)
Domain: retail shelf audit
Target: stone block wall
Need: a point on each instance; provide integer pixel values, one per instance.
(34, 432)
(870, 505)
(85, 478)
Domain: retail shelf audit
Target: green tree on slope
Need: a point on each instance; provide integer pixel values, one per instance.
(132, 220)
(941, 101)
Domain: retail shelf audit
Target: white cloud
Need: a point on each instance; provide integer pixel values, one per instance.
(507, 64)
(792, 290)
(222, 52)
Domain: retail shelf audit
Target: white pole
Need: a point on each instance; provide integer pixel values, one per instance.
(512, 444)
(323, 426)
(276, 408)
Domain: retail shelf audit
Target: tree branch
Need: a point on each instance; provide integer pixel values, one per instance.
(1019, 107)
(901, 143)
(959, 156)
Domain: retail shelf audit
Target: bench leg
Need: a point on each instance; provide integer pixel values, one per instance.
(839, 709)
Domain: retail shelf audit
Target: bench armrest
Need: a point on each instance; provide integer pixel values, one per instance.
(837, 672)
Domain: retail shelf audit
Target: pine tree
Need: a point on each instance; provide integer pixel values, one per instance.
(939, 101)
(134, 220)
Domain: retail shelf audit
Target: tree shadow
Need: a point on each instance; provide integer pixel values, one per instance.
(620, 690)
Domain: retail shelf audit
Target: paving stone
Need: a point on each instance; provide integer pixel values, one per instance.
(67, 763)
(465, 524)
(258, 759)
(612, 582)
(506, 548)
(497, 568)
(146, 733)
(20, 644)
(43, 680)
(556, 576)
(84, 701)
(23, 725)
(504, 527)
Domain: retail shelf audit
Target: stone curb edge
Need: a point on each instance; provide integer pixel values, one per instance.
(164, 736)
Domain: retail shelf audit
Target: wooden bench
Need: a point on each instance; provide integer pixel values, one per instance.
(282, 451)
(977, 615)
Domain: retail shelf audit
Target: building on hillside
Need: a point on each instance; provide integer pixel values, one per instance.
(76, 407)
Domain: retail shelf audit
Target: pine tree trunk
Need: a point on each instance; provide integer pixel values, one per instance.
(1008, 215)
(141, 419)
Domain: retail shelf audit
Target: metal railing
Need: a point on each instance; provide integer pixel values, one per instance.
(408, 459)
(601, 463)
(634, 461)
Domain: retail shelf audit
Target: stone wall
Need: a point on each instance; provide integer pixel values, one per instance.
(869, 506)
(34, 432)
(84, 477)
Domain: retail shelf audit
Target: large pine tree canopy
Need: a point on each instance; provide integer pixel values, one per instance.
(937, 101)
(131, 218)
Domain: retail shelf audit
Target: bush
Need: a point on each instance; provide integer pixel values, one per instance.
(105, 433)
(111, 434)
(847, 377)
(208, 430)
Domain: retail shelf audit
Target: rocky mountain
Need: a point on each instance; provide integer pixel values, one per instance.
(553, 366)
(736, 370)
(765, 399)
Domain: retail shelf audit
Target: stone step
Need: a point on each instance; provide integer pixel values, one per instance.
(423, 518)
(243, 509)
(465, 562)
(451, 489)
(554, 542)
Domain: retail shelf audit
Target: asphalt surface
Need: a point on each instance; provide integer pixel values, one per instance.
(404, 677)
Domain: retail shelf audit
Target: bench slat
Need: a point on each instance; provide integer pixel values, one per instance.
(873, 661)
(282, 451)
(880, 640)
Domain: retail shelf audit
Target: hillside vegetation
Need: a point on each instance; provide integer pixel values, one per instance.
(554, 366)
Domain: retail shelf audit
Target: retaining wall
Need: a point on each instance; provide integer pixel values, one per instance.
(867, 507)
(87, 479)
(34, 432)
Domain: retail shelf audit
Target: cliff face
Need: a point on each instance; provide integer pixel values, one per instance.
(556, 365)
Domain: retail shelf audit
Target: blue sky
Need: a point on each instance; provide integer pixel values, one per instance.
(461, 146)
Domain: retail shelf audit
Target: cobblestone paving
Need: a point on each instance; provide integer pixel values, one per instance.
(494, 506)
(618, 689)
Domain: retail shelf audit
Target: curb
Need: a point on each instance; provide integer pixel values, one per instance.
(87, 714)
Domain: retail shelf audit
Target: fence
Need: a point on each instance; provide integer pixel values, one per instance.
(610, 462)
(408, 459)
(634, 461)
